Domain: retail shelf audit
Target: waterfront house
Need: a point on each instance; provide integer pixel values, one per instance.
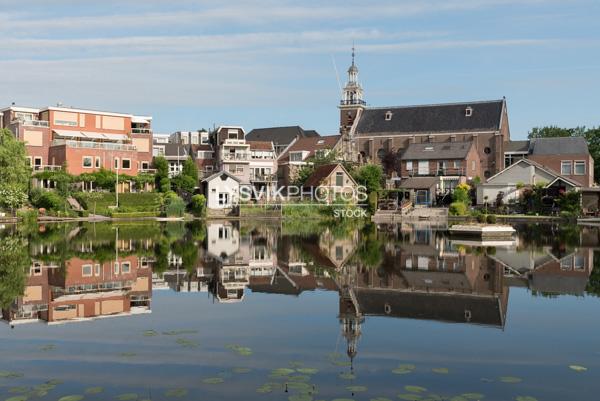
(332, 181)
(508, 183)
(301, 153)
(263, 166)
(281, 137)
(222, 191)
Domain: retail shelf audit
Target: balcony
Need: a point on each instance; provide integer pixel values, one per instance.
(263, 177)
(32, 123)
(237, 156)
(93, 145)
(147, 131)
(442, 171)
(46, 168)
(235, 142)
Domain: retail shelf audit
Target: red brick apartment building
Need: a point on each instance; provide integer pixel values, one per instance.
(82, 140)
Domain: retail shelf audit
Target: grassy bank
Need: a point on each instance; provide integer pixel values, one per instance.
(131, 205)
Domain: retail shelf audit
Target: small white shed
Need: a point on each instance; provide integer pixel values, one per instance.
(222, 190)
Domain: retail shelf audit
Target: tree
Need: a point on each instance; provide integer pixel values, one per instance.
(190, 169)
(371, 176)
(390, 162)
(162, 182)
(14, 171)
(12, 196)
(187, 180)
(14, 259)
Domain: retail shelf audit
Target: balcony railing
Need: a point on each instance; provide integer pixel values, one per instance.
(236, 156)
(147, 170)
(263, 177)
(234, 142)
(141, 130)
(442, 171)
(352, 101)
(93, 145)
(32, 123)
(46, 168)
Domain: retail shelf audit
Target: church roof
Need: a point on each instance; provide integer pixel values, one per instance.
(435, 118)
(437, 150)
(280, 135)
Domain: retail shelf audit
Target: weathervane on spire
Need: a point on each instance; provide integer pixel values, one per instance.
(352, 52)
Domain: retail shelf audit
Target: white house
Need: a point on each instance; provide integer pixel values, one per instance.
(522, 173)
(222, 191)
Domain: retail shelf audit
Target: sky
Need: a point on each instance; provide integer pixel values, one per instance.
(261, 63)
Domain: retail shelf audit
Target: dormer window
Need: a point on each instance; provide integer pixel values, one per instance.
(428, 148)
(388, 116)
(320, 142)
(468, 112)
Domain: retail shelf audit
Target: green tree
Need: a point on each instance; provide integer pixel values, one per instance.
(14, 259)
(371, 176)
(162, 181)
(12, 196)
(14, 171)
(187, 180)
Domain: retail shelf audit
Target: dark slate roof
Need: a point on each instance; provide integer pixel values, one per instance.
(279, 135)
(436, 118)
(516, 146)
(439, 150)
(559, 146)
(174, 149)
(311, 145)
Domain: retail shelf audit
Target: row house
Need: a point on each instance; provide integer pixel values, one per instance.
(81, 140)
(282, 137)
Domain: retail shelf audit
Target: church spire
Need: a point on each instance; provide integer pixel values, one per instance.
(353, 93)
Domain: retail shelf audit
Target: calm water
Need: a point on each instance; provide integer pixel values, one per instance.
(262, 311)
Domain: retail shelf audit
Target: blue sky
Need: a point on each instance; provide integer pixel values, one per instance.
(192, 64)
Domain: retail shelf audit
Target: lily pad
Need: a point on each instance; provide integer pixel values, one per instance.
(54, 382)
(44, 387)
(334, 355)
(213, 380)
(94, 390)
(176, 393)
(127, 397)
(187, 343)
(17, 398)
(243, 351)
(525, 398)
(357, 389)
(264, 389)
(401, 371)
(307, 371)
(18, 390)
(5, 374)
(150, 333)
(47, 347)
(415, 389)
(74, 397)
(179, 332)
(577, 368)
(299, 378)
(300, 386)
(510, 379)
(282, 372)
(486, 380)
(441, 371)
(473, 396)
(410, 397)
(347, 376)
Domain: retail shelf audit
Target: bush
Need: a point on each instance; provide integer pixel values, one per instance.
(458, 209)
(198, 205)
(482, 218)
(491, 219)
(174, 205)
(49, 200)
(372, 199)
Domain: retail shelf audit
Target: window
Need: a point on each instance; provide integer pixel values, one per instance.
(86, 270)
(472, 165)
(457, 164)
(126, 164)
(339, 253)
(125, 267)
(98, 162)
(580, 168)
(205, 154)
(116, 163)
(468, 112)
(37, 162)
(339, 179)
(487, 174)
(116, 267)
(566, 166)
(487, 150)
(381, 153)
(208, 168)
(223, 233)
(223, 199)
(87, 161)
(145, 165)
(97, 270)
(66, 123)
(388, 116)
(295, 156)
(409, 165)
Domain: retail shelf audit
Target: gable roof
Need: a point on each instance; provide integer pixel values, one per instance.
(311, 145)
(516, 146)
(320, 174)
(574, 145)
(260, 145)
(437, 150)
(175, 149)
(541, 167)
(435, 118)
(218, 174)
(280, 135)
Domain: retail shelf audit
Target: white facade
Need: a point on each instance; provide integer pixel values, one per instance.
(222, 191)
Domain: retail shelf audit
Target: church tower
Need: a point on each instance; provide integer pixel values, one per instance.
(350, 106)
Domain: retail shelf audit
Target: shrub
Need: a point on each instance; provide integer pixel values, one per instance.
(174, 205)
(457, 209)
(372, 199)
(49, 200)
(461, 194)
(482, 218)
(491, 219)
(198, 205)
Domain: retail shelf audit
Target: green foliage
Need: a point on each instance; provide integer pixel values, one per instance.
(371, 176)
(14, 170)
(190, 169)
(372, 200)
(461, 194)
(163, 184)
(570, 202)
(482, 218)
(303, 174)
(188, 179)
(198, 205)
(491, 219)
(14, 260)
(458, 209)
(49, 200)
(103, 179)
(12, 196)
(174, 205)
(136, 202)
